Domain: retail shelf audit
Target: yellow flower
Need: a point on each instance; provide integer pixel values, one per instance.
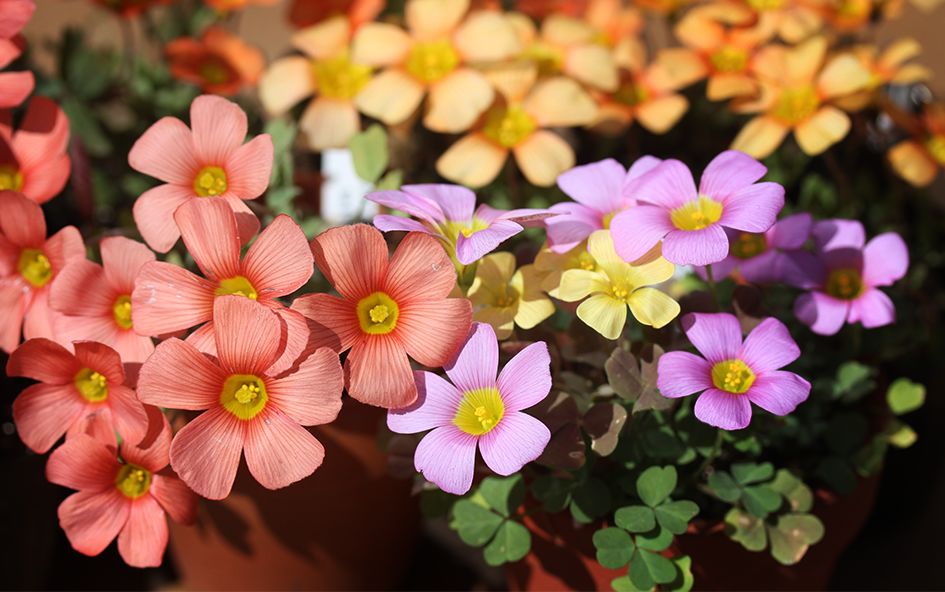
(616, 286)
(504, 297)
(552, 266)
(792, 20)
(920, 159)
(887, 67)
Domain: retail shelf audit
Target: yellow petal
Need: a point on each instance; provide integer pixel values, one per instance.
(527, 280)
(325, 39)
(457, 101)
(899, 52)
(843, 75)
(495, 269)
(912, 163)
(593, 65)
(822, 130)
(543, 156)
(392, 96)
(380, 44)
(524, 27)
(533, 306)
(659, 115)
(677, 67)
(803, 61)
(512, 79)
(472, 161)
(798, 24)
(630, 53)
(285, 83)
(501, 319)
(431, 19)
(652, 307)
(486, 37)
(604, 314)
(329, 123)
(726, 86)
(561, 102)
(698, 30)
(911, 73)
(649, 274)
(577, 284)
(760, 137)
(562, 30)
(601, 247)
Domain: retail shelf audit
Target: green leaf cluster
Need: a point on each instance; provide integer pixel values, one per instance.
(486, 519)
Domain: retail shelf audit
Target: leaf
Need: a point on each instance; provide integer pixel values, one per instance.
(476, 525)
(746, 529)
(603, 424)
(903, 436)
(761, 500)
(658, 539)
(655, 484)
(85, 125)
(511, 543)
(684, 580)
(748, 473)
(724, 487)
(798, 495)
(614, 547)
(650, 397)
(623, 584)
(793, 535)
(553, 493)
(853, 381)
(904, 396)
(675, 516)
(648, 568)
(392, 180)
(635, 518)
(369, 152)
(590, 500)
(623, 374)
(503, 494)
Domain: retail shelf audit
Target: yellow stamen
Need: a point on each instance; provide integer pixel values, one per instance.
(696, 214)
(340, 78)
(585, 261)
(508, 127)
(244, 395)
(237, 285)
(10, 178)
(748, 245)
(35, 267)
(210, 181)
(430, 61)
(621, 291)
(479, 411)
(121, 310)
(763, 5)
(377, 314)
(796, 104)
(732, 376)
(133, 481)
(92, 386)
(452, 229)
(729, 59)
(936, 147)
(845, 284)
(548, 59)
(631, 94)
(214, 72)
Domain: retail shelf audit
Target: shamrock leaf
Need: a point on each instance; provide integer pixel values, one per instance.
(655, 484)
(635, 518)
(475, 524)
(512, 542)
(504, 495)
(647, 569)
(614, 547)
(675, 516)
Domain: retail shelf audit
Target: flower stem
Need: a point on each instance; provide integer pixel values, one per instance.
(711, 281)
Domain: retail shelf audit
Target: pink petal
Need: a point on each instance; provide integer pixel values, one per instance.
(668, 185)
(122, 259)
(754, 208)
(790, 232)
(280, 261)
(823, 314)
(248, 335)
(64, 247)
(12, 308)
(420, 270)
(597, 185)
(640, 167)
(279, 451)
(718, 337)
(205, 453)
(43, 413)
(388, 223)
(728, 173)
(154, 215)
(168, 298)
(246, 221)
(46, 178)
(92, 519)
(766, 268)
(45, 361)
(310, 395)
(16, 13)
(638, 229)
(295, 342)
(456, 202)
(166, 151)
(70, 293)
(40, 317)
(102, 359)
(378, 373)
(873, 308)
(208, 227)
(178, 500)
(680, 374)
(480, 243)
(180, 377)
(769, 346)
(82, 463)
(447, 457)
(353, 258)
(332, 321)
(128, 414)
(414, 204)
(143, 539)
(41, 140)
(696, 247)
(249, 167)
(432, 331)
(778, 392)
(885, 260)
(219, 129)
(517, 440)
(838, 234)
(436, 405)
(573, 224)
(153, 450)
(476, 364)
(723, 410)
(132, 347)
(22, 223)
(526, 379)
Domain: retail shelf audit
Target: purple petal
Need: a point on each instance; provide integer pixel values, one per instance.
(790, 232)
(769, 346)
(754, 208)
(803, 269)
(779, 392)
(456, 202)
(436, 405)
(527, 217)
(597, 185)
(526, 379)
(482, 242)
(823, 314)
(729, 172)
(765, 268)
(446, 456)
(885, 260)
(720, 270)
(873, 308)
(842, 258)
(573, 224)
(477, 362)
(838, 234)
(723, 410)
(516, 441)
(636, 230)
(679, 374)
(390, 223)
(416, 206)
(696, 247)
(640, 167)
(668, 185)
(717, 336)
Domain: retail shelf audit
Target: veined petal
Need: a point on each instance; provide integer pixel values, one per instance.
(447, 457)
(143, 538)
(205, 453)
(122, 259)
(248, 335)
(83, 463)
(723, 410)
(332, 321)
(604, 314)
(717, 336)
(753, 208)
(638, 229)
(432, 331)
(43, 412)
(652, 307)
(154, 214)
(420, 270)
(353, 258)
(517, 440)
(311, 395)
(481, 242)
(696, 247)
(378, 373)
(168, 298)
(92, 519)
(526, 379)
(45, 361)
(166, 151)
(779, 392)
(769, 346)
(249, 167)
(436, 405)
(208, 227)
(279, 451)
(476, 364)
(681, 374)
(728, 173)
(219, 128)
(280, 261)
(598, 185)
(178, 376)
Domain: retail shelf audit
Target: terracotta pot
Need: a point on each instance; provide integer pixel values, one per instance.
(562, 556)
(349, 526)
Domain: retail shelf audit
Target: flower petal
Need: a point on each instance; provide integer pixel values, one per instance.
(728, 173)
(279, 451)
(208, 227)
(249, 167)
(526, 379)
(779, 392)
(873, 308)
(604, 314)
(885, 260)
(517, 440)
(83, 462)
(92, 519)
(432, 331)
(477, 363)
(168, 298)
(143, 539)
(43, 412)
(447, 457)
(122, 259)
(822, 130)
(178, 376)
(420, 270)
(219, 129)
(723, 410)
(696, 247)
(473, 247)
(286, 81)
(668, 185)
(436, 405)
(332, 321)
(311, 395)
(154, 215)
(280, 261)
(823, 314)
(718, 337)
(353, 258)
(769, 346)
(597, 185)
(473, 160)
(378, 373)
(791, 232)
(329, 123)
(391, 96)
(543, 156)
(680, 374)
(653, 307)
(178, 501)
(166, 151)
(205, 453)
(45, 361)
(23, 222)
(248, 335)
(638, 229)
(760, 136)
(435, 201)
(456, 101)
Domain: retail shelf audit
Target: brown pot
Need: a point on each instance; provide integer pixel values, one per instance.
(562, 555)
(348, 526)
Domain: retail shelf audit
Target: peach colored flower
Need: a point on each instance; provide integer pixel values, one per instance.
(33, 159)
(386, 311)
(248, 406)
(229, 5)
(14, 14)
(792, 20)
(14, 86)
(434, 55)
(886, 67)
(96, 299)
(209, 162)
(920, 159)
(28, 263)
(219, 63)
(305, 13)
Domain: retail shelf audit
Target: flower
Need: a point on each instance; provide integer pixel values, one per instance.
(28, 263)
(504, 297)
(797, 92)
(247, 405)
(14, 86)
(225, 6)
(72, 389)
(600, 191)
(691, 223)
(129, 8)
(33, 159)
(305, 13)
(793, 20)
(920, 159)
(331, 118)
(219, 63)
(386, 311)
(761, 257)
(479, 411)
(731, 374)
(845, 275)
(615, 286)
(209, 162)
(886, 67)
(434, 57)
(127, 498)
(96, 299)
(14, 14)
(449, 213)
(168, 298)
(552, 265)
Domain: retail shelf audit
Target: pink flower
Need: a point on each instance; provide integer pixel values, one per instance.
(210, 161)
(691, 223)
(14, 14)
(480, 410)
(249, 407)
(33, 159)
(14, 86)
(28, 262)
(96, 299)
(732, 375)
(127, 498)
(76, 393)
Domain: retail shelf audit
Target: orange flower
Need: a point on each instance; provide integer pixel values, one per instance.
(919, 160)
(797, 93)
(888, 67)
(792, 20)
(848, 16)
(228, 5)
(219, 63)
(542, 8)
(664, 7)
(305, 13)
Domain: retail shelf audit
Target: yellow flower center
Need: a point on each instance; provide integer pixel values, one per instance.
(214, 72)
(854, 8)
(936, 147)
(479, 411)
(631, 94)
(505, 296)
(605, 221)
(844, 284)
(238, 285)
(430, 61)
(796, 104)
(762, 5)
(244, 395)
(729, 59)
(696, 214)
(748, 245)
(35, 268)
(453, 228)
(547, 58)
(210, 181)
(508, 127)
(732, 376)
(91, 385)
(133, 481)
(10, 178)
(339, 77)
(121, 310)
(377, 314)
(586, 262)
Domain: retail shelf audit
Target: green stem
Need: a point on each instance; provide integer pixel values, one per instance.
(711, 281)
(714, 454)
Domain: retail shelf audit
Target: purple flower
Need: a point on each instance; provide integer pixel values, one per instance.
(692, 223)
(449, 213)
(600, 191)
(732, 375)
(761, 257)
(479, 410)
(843, 276)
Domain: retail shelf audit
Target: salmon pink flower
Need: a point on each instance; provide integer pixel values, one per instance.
(28, 263)
(219, 63)
(305, 13)
(126, 493)
(33, 159)
(249, 406)
(72, 388)
(224, 6)
(762, 257)
(387, 310)
(478, 410)
(14, 14)
(731, 374)
(14, 86)
(449, 213)
(209, 162)
(691, 222)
